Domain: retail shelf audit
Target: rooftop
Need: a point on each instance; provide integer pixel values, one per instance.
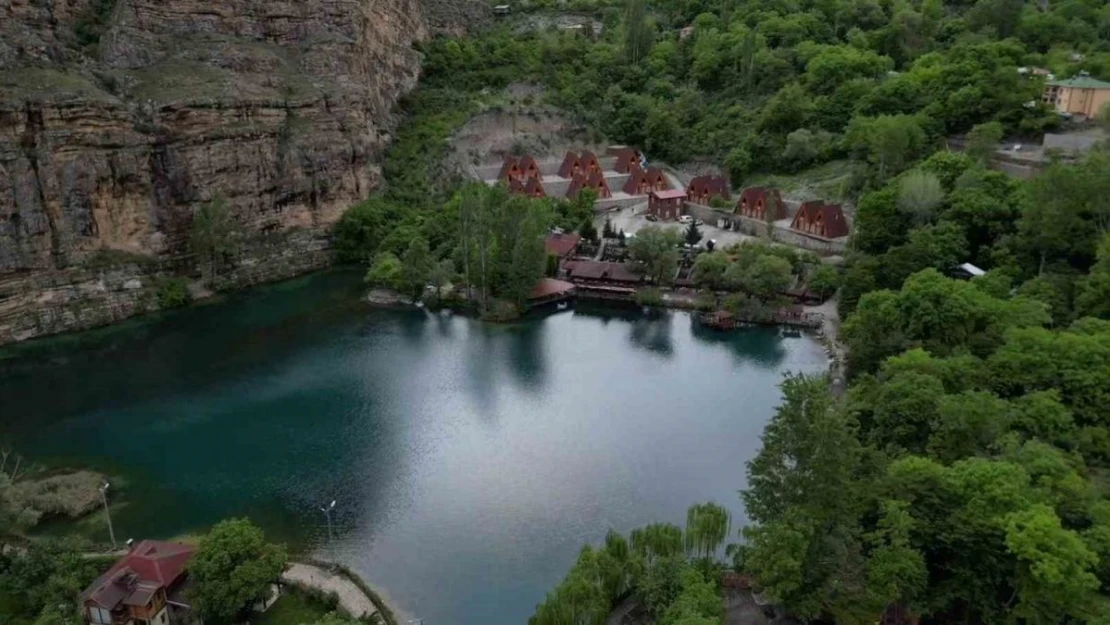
(134, 578)
(1081, 82)
(669, 194)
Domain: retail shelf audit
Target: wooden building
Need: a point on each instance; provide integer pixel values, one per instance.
(590, 164)
(510, 169)
(702, 189)
(754, 200)
(571, 166)
(595, 181)
(666, 204)
(145, 586)
(534, 188)
(528, 167)
(627, 158)
(562, 245)
(637, 183)
(516, 187)
(821, 219)
(658, 179)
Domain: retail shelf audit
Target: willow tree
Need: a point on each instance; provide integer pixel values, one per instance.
(707, 526)
(658, 540)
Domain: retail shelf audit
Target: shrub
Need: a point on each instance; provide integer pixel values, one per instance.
(174, 293)
(649, 296)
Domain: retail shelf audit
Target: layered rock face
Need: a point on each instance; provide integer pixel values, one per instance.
(118, 118)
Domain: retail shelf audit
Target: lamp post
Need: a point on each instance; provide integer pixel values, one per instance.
(327, 514)
(107, 513)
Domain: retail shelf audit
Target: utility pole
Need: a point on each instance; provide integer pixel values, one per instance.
(107, 513)
(327, 514)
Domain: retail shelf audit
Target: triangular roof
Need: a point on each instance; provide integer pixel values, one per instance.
(528, 166)
(751, 196)
(570, 162)
(509, 169)
(831, 215)
(627, 158)
(561, 244)
(516, 187)
(637, 181)
(534, 188)
(657, 178)
(589, 161)
(708, 185)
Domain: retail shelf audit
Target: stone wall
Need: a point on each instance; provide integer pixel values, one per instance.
(782, 233)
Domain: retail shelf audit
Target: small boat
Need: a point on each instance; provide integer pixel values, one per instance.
(562, 305)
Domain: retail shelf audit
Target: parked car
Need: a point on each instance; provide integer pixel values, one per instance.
(685, 219)
(652, 218)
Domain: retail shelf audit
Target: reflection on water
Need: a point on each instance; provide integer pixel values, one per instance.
(470, 461)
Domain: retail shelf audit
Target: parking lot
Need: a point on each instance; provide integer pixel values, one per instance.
(633, 218)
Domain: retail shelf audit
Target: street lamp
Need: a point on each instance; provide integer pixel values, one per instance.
(327, 513)
(104, 498)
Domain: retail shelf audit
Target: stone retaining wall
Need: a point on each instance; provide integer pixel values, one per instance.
(754, 227)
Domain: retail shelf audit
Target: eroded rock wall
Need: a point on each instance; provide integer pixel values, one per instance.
(118, 118)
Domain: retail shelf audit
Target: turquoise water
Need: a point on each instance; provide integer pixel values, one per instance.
(469, 461)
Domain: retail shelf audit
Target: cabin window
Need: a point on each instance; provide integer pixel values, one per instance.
(100, 616)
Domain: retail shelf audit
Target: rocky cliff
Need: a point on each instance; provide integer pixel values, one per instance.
(119, 118)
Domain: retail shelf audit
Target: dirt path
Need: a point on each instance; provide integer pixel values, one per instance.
(830, 327)
(351, 598)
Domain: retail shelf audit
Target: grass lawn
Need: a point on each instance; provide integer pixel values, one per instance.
(293, 608)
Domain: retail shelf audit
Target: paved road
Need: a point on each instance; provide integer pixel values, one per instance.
(351, 598)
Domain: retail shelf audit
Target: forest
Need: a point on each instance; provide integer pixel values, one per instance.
(962, 477)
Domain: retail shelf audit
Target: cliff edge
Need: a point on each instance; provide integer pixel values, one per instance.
(118, 118)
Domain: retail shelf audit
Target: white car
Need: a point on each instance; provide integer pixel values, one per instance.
(685, 219)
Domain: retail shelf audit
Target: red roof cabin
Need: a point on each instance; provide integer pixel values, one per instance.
(534, 188)
(599, 272)
(667, 204)
(596, 181)
(627, 159)
(820, 219)
(702, 189)
(589, 163)
(638, 182)
(516, 187)
(145, 586)
(528, 167)
(510, 169)
(562, 245)
(657, 180)
(571, 166)
(753, 203)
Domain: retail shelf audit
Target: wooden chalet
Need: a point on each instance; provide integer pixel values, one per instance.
(595, 181)
(528, 167)
(534, 188)
(145, 586)
(571, 166)
(702, 189)
(637, 183)
(658, 179)
(590, 164)
(666, 205)
(627, 159)
(754, 200)
(516, 187)
(510, 169)
(820, 219)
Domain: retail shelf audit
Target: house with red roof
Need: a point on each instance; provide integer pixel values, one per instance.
(595, 181)
(818, 218)
(510, 169)
(657, 179)
(753, 203)
(666, 204)
(145, 587)
(561, 244)
(702, 189)
(528, 167)
(637, 183)
(516, 187)
(571, 166)
(534, 188)
(590, 164)
(627, 158)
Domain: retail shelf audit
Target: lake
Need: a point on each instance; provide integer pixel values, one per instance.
(469, 461)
